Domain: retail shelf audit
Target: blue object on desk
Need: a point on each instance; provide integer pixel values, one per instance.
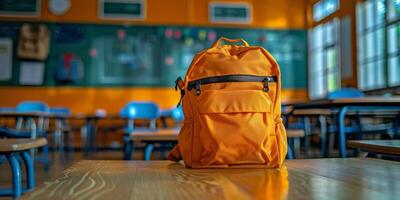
(32, 106)
(346, 93)
(138, 110)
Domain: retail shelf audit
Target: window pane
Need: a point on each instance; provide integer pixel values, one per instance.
(380, 74)
(318, 35)
(362, 76)
(331, 59)
(369, 82)
(360, 17)
(361, 48)
(370, 46)
(393, 38)
(332, 82)
(318, 62)
(380, 11)
(380, 36)
(369, 11)
(394, 10)
(330, 33)
(317, 11)
(394, 71)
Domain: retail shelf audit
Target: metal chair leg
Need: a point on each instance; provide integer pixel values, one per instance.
(147, 151)
(16, 175)
(128, 146)
(341, 132)
(30, 170)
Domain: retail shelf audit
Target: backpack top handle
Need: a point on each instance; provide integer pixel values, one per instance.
(218, 42)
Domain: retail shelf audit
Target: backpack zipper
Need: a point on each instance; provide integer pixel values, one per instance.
(196, 84)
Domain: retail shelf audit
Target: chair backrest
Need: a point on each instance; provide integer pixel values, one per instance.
(32, 106)
(140, 110)
(177, 114)
(60, 111)
(346, 93)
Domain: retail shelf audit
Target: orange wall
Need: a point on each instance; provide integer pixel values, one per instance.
(276, 14)
(87, 100)
(273, 14)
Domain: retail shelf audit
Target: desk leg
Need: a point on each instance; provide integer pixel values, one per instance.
(341, 131)
(324, 136)
(307, 137)
(86, 135)
(93, 137)
(128, 147)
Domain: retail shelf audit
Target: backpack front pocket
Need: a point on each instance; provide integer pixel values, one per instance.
(234, 127)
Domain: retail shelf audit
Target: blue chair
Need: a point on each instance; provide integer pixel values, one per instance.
(60, 124)
(177, 114)
(33, 107)
(7, 109)
(138, 110)
(345, 93)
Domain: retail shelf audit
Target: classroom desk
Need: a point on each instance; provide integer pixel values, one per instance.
(163, 135)
(352, 178)
(91, 121)
(345, 105)
(391, 147)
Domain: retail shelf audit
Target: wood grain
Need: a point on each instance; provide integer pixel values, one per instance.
(376, 146)
(299, 179)
(20, 144)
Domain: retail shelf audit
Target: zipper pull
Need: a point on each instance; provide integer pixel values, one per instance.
(178, 81)
(180, 99)
(266, 86)
(197, 86)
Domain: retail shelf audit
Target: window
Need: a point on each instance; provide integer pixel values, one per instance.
(324, 8)
(378, 33)
(323, 50)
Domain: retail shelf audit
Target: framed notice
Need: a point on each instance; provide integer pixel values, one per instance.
(31, 73)
(224, 12)
(122, 9)
(20, 8)
(6, 59)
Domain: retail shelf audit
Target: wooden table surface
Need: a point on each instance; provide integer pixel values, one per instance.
(352, 178)
(20, 144)
(158, 135)
(376, 146)
(365, 101)
(172, 134)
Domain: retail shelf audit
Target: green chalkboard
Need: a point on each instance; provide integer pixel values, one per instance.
(152, 56)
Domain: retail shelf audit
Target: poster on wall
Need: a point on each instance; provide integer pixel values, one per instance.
(230, 12)
(31, 73)
(20, 8)
(122, 9)
(5, 59)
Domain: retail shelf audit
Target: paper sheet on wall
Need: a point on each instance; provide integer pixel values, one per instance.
(31, 73)
(5, 59)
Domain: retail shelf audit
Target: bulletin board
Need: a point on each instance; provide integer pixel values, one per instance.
(151, 56)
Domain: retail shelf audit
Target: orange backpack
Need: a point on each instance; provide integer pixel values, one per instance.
(231, 99)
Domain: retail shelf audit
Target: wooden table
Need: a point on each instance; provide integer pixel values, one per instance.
(157, 135)
(391, 147)
(344, 106)
(353, 178)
